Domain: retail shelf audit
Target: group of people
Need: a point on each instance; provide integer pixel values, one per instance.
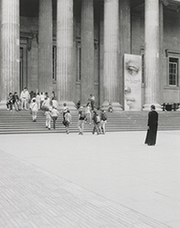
(87, 114)
(13, 101)
(91, 116)
(23, 102)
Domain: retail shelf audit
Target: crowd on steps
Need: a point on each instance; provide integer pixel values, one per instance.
(41, 101)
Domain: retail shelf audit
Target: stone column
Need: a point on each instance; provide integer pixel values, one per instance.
(87, 50)
(111, 54)
(65, 81)
(9, 72)
(162, 58)
(101, 52)
(125, 41)
(45, 46)
(152, 54)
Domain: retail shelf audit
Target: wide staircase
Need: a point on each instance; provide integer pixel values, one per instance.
(21, 122)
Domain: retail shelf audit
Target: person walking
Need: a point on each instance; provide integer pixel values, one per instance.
(54, 114)
(88, 113)
(67, 122)
(42, 97)
(38, 100)
(64, 111)
(81, 118)
(48, 118)
(46, 103)
(53, 97)
(103, 118)
(34, 109)
(96, 122)
(152, 127)
(92, 101)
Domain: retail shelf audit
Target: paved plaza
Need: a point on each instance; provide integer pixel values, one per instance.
(106, 181)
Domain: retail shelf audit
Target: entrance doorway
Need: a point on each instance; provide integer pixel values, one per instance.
(23, 68)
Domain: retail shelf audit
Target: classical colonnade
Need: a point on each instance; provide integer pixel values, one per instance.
(10, 44)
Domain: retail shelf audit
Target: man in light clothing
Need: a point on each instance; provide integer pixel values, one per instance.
(34, 109)
(24, 97)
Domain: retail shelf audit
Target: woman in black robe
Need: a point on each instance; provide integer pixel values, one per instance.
(152, 127)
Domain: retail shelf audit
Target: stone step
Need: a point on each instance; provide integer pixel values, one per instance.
(21, 122)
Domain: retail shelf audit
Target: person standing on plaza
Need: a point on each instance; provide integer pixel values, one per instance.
(103, 117)
(81, 118)
(67, 122)
(54, 114)
(24, 97)
(152, 127)
(34, 109)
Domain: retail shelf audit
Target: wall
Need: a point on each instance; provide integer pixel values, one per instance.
(171, 41)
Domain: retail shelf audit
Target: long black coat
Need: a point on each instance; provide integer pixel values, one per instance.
(153, 126)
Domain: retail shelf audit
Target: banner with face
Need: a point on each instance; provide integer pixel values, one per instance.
(132, 82)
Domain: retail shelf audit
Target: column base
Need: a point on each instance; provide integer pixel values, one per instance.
(147, 107)
(70, 104)
(112, 107)
(178, 109)
(3, 105)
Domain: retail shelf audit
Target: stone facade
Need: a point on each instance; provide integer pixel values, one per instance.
(76, 47)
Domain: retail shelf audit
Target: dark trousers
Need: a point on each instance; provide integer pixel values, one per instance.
(9, 105)
(54, 118)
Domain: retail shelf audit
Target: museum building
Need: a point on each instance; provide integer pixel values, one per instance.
(78, 47)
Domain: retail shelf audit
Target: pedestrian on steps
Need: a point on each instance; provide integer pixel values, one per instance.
(81, 119)
(96, 122)
(67, 121)
(54, 114)
(48, 118)
(34, 109)
(103, 117)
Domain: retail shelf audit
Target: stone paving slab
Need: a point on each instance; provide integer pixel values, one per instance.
(33, 198)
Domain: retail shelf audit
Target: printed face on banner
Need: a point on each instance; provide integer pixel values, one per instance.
(132, 82)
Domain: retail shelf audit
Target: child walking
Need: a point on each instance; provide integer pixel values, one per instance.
(34, 109)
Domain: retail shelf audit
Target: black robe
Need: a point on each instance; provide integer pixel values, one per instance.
(153, 126)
